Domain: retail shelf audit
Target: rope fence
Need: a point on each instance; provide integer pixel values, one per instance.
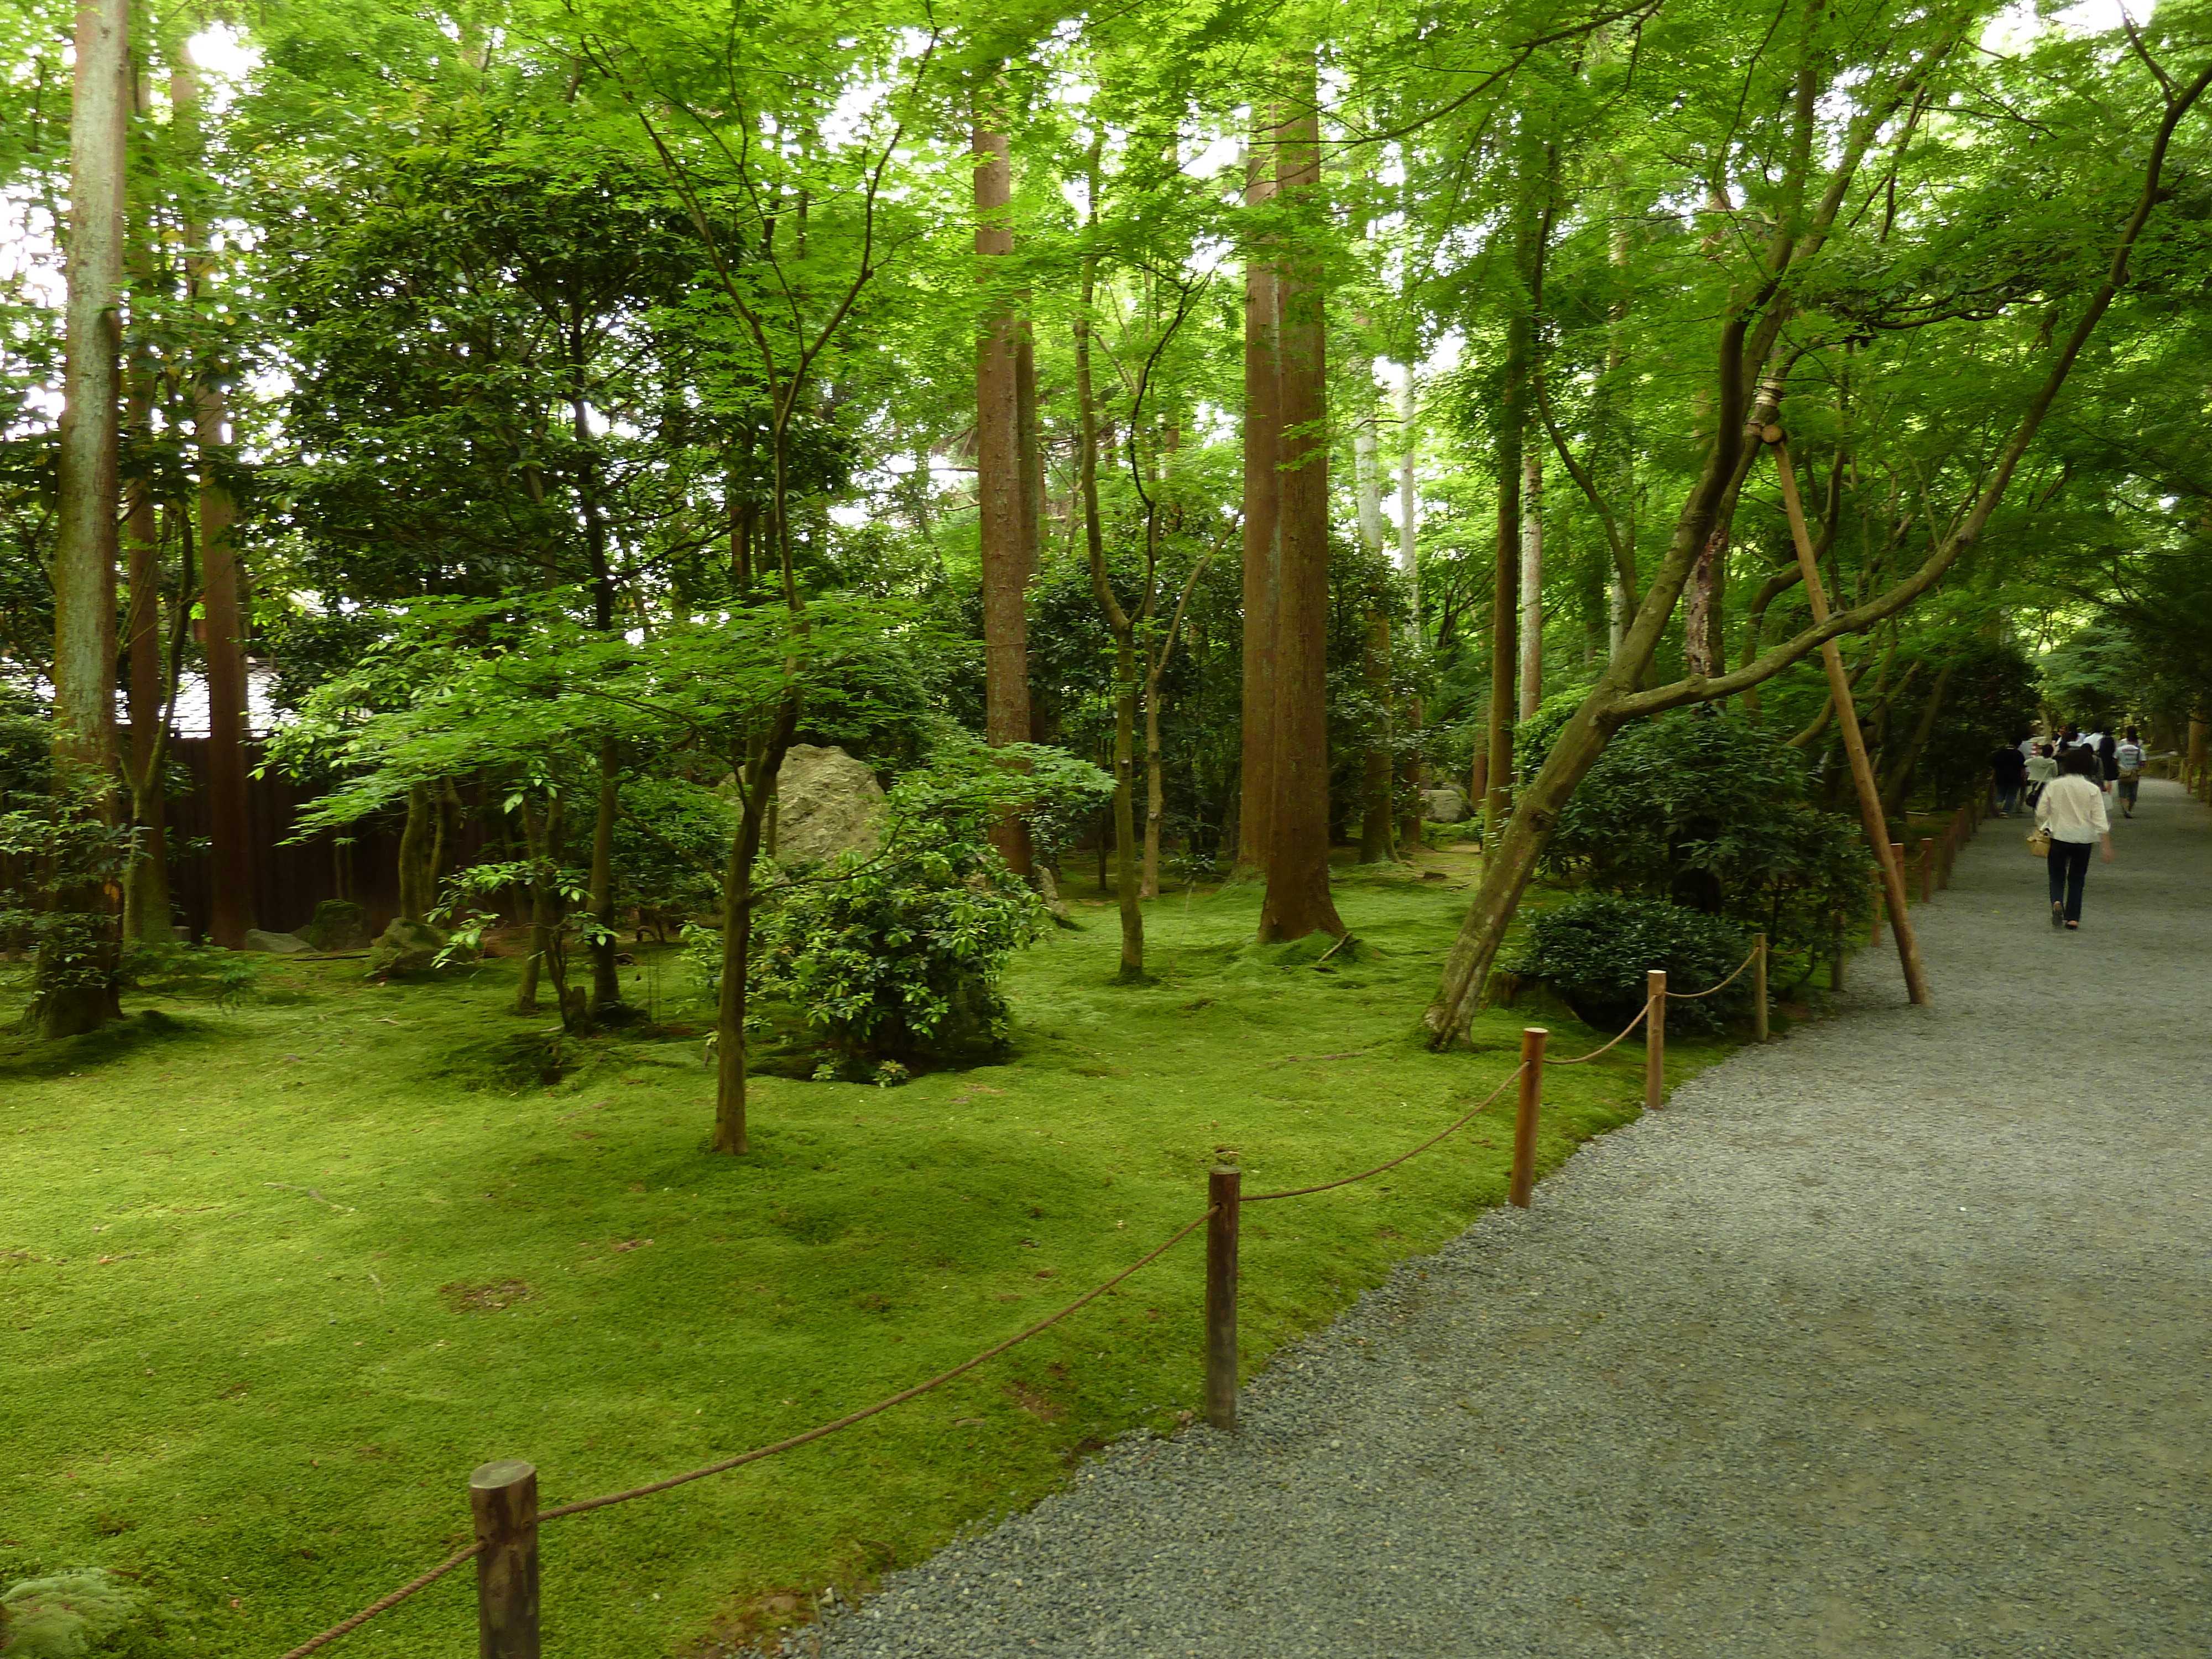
(503, 1495)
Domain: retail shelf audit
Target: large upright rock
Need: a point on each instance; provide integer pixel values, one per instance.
(826, 803)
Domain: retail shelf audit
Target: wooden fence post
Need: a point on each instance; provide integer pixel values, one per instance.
(1223, 1188)
(1654, 1040)
(1759, 987)
(1524, 1121)
(1873, 926)
(503, 1498)
(1927, 869)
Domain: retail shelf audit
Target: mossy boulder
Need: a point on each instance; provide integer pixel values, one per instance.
(406, 947)
(62, 1616)
(274, 944)
(339, 924)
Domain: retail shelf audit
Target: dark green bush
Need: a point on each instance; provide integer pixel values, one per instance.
(1596, 949)
(1709, 812)
(896, 956)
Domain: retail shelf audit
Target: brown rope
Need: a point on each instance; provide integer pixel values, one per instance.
(867, 1412)
(388, 1603)
(1691, 996)
(1642, 1015)
(1300, 1192)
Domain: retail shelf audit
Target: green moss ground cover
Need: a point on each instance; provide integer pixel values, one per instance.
(275, 1278)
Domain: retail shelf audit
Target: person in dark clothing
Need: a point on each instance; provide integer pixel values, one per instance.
(2008, 776)
(2108, 760)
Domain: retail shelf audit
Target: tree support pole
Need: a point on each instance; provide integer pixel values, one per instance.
(1839, 687)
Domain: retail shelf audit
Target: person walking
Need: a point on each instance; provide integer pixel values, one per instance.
(2008, 776)
(2042, 767)
(2108, 759)
(2072, 811)
(2130, 757)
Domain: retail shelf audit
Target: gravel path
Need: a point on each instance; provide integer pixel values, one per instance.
(1889, 1340)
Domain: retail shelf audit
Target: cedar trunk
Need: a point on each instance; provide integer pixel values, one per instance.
(1505, 592)
(1297, 901)
(1262, 489)
(146, 894)
(1002, 483)
(75, 996)
(223, 602)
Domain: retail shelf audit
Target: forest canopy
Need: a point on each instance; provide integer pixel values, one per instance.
(523, 426)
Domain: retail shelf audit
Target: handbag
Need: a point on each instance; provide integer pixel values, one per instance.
(2039, 842)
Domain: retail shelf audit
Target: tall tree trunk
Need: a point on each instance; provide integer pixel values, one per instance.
(1118, 619)
(1262, 498)
(418, 841)
(76, 982)
(1900, 775)
(1297, 901)
(1409, 767)
(146, 890)
(1375, 770)
(606, 977)
(1002, 486)
(1155, 766)
(1506, 594)
(230, 849)
(547, 961)
(1532, 580)
(1375, 650)
(759, 770)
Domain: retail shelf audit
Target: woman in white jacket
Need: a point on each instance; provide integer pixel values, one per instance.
(2072, 808)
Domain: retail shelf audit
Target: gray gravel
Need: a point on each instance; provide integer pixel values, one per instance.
(1889, 1340)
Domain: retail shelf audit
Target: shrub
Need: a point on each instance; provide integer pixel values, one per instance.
(1596, 949)
(1710, 812)
(897, 955)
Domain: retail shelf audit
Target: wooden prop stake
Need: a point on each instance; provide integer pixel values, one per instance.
(1759, 987)
(1223, 1188)
(503, 1497)
(1654, 1040)
(1877, 825)
(1524, 1121)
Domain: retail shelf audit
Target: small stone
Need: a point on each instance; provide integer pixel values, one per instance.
(278, 944)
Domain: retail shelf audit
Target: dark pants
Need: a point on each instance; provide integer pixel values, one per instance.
(2069, 867)
(2008, 796)
(2127, 788)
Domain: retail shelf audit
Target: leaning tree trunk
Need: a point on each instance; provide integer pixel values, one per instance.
(76, 993)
